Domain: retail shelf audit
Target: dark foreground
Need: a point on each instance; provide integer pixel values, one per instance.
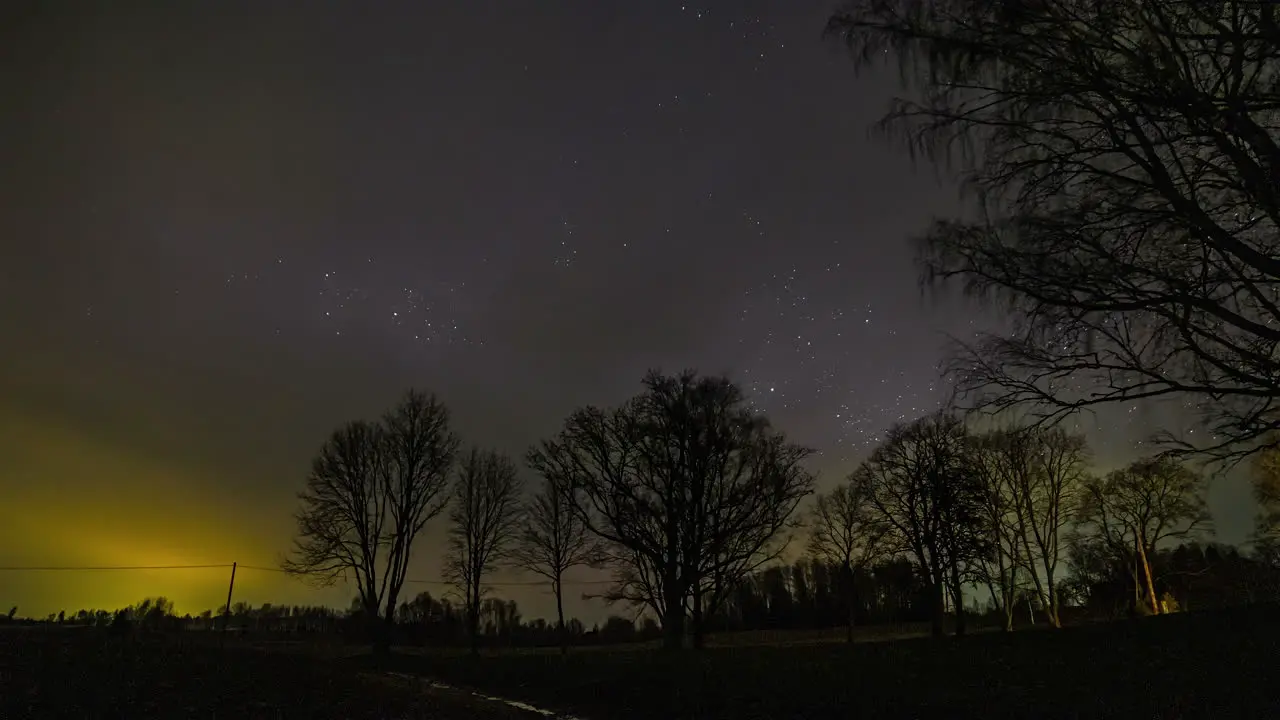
(1219, 665)
(81, 673)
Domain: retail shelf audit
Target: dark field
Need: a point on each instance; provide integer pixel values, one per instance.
(82, 674)
(1220, 665)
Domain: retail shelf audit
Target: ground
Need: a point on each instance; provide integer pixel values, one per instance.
(80, 673)
(1220, 665)
(1194, 665)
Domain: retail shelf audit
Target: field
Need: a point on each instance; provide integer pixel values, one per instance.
(81, 674)
(1220, 665)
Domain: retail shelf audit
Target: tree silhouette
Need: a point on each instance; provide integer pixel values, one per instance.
(1047, 496)
(1032, 478)
(846, 531)
(13, 611)
(689, 488)
(922, 483)
(1131, 511)
(1266, 491)
(371, 490)
(484, 520)
(1126, 183)
(551, 540)
(1000, 457)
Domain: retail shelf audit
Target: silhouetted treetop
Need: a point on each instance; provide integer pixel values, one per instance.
(686, 485)
(1125, 171)
(371, 490)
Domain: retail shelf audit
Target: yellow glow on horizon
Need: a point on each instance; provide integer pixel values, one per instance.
(72, 500)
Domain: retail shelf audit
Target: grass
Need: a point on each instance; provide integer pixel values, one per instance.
(1219, 665)
(84, 673)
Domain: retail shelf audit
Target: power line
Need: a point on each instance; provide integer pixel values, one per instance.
(114, 567)
(262, 568)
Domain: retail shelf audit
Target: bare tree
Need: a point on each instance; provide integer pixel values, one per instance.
(922, 484)
(1032, 478)
(1133, 510)
(551, 540)
(371, 490)
(687, 486)
(845, 530)
(999, 458)
(1047, 496)
(485, 520)
(1124, 161)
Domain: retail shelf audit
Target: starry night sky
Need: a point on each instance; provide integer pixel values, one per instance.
(229, 227)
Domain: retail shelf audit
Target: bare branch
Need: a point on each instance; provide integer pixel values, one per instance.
(1124, 164)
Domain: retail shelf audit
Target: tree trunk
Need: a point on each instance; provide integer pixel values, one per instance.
(389, 621)
(473, 628)
(1146, 570)
(473, 617)
(1006, 595)
(673, 621)
(560, 628)
(1035, 578)
(939, 608)
(849, 603)
(376, 627)
(1054, 616)
(697, 621)
(957, 595)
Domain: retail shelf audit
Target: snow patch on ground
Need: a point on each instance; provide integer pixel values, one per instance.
(490, 698)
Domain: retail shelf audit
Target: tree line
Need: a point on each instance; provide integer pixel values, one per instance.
(679, 492)
(683, 493)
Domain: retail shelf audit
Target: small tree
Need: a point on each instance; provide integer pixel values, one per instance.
(371, 490)
(1133, 510)
(846, 531)
(484, 517)
(551, 540)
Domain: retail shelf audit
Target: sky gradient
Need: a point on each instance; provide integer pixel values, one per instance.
(230, 227)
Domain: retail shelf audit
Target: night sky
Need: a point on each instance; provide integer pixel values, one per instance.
(227, 230)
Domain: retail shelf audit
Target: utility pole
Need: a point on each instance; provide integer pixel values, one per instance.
(226, 617)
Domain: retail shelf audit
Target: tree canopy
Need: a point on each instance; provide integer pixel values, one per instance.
(1125, 172)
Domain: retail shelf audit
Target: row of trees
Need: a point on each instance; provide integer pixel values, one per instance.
(679, 492)
(682, 492)
(808, 594)
(375, 486)
(1005, 509)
